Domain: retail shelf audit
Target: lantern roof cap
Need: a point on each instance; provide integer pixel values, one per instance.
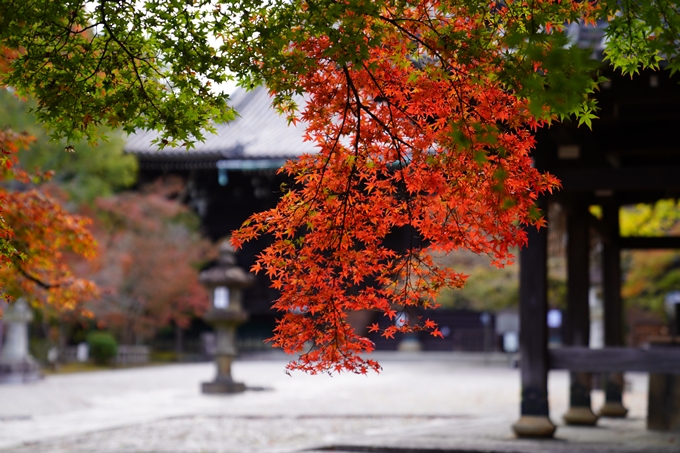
(226, 272)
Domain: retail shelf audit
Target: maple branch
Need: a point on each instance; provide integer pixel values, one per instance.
(389, 103)
(353, 170)
(396, 144)
(416, 38)
(443, 62)
(99, 62)
(360, 106)
(333, 149)
(372, 115)
(133, 58)
(38, 281)
(402, 169)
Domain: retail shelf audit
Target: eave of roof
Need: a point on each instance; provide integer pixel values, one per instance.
(259, 133)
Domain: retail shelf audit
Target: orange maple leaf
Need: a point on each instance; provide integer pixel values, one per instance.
(437, 333)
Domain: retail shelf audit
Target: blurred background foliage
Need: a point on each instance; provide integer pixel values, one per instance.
(85, 172)
(149, 246)
(650, 274)
(658, 219)
(489, 288)
(150, 253)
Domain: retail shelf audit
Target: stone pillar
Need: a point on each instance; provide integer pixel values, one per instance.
(534, 418)
(16, 364)
(578, 311)
(225, 283)
(613, 309)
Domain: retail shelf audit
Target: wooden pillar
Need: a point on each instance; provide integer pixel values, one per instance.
(613, 309)
(533, 337)
(578, 311)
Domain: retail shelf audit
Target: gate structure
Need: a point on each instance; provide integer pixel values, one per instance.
(631, 155)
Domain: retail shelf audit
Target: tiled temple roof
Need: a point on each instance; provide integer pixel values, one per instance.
(259, 133)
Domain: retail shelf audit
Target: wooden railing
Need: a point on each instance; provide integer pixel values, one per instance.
(127, 355)
(613, 359)
(133, 355)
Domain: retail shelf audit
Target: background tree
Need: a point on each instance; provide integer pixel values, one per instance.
(650, 276)
(86, 172)
(37, 236)
(146, 242)
(149, 256)
(488, 288)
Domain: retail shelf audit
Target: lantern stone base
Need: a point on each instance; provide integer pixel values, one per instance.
(220, 387)
(17, 372)
(410, 344)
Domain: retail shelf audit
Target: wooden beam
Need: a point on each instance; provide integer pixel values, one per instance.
(621, 179)
(611, 359)
(644, 242)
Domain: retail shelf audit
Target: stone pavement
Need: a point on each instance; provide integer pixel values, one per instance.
(443, 402)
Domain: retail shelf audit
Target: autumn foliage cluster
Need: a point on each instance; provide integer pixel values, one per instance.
(39, 237)
(420, 135)
(128, 261)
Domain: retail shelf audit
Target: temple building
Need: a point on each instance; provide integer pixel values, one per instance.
(630, 156)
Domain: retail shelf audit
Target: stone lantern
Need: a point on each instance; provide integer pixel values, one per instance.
(16, 364)
(225, 283)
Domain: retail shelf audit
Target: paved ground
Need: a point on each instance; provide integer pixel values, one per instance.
(433, 402)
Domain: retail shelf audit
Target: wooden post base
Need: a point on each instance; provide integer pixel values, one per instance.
(534, 426)
(613, 409)
(663, 408)
(580, 415)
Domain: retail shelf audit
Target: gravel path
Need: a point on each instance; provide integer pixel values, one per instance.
(160, 409)
(225, 434)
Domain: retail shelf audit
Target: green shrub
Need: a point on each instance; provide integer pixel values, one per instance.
(103, 347)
